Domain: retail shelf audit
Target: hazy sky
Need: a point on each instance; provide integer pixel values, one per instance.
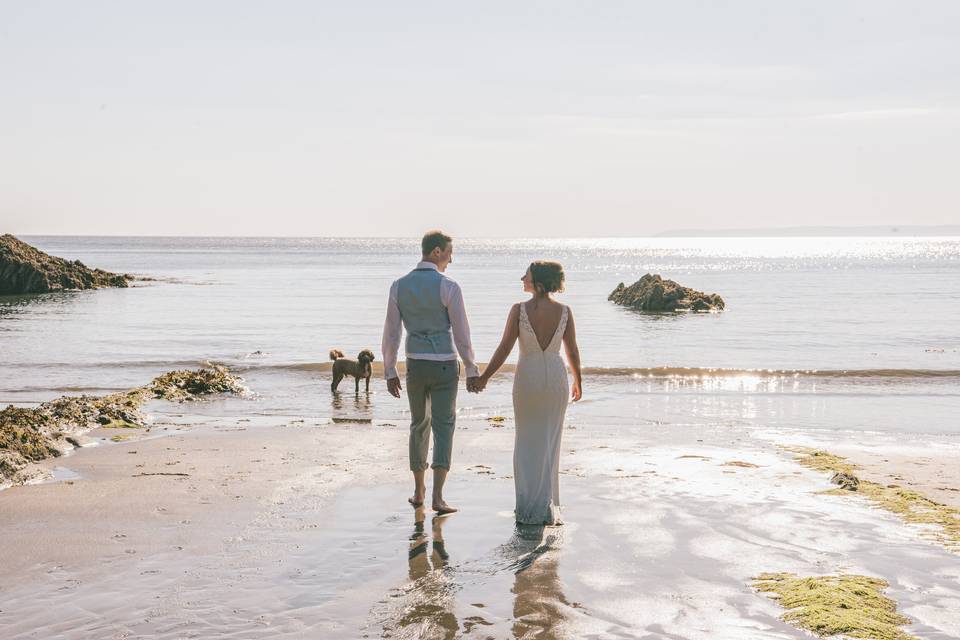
(484, 118)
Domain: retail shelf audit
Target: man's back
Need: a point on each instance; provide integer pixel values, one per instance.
(421, 303)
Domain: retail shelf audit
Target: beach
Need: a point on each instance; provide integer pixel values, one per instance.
(281, 512)
(297, 529)
(721, 241)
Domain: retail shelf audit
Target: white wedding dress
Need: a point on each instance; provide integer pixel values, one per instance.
(539, 405)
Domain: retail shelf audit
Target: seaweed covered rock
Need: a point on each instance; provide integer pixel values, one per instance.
(184, 385)
(33, 434)
(24, 437)
(846, 481)
(25, 269)
(653, 293)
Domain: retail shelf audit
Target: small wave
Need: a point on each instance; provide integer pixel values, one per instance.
(252, 362)
(676, 372)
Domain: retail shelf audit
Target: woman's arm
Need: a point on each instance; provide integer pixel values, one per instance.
(573, 356)
(510, 334)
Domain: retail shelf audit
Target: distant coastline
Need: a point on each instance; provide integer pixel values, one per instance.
(883, 231)
(889, 231)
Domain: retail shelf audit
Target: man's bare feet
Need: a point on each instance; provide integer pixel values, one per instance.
(416, 500)
(442, 508)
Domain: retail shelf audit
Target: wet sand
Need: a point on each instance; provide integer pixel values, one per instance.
(284, 529)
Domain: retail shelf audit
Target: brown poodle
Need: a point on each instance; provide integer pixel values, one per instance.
(359, 368)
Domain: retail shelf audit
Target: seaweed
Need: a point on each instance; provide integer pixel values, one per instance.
(912, 506)
(849, 605)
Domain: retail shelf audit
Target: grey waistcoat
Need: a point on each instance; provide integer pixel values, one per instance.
(424, 316)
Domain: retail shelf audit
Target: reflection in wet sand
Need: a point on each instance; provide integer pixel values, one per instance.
(432, 597)
(538, 600)
(359, 403)
(431, 577)
(429, 612)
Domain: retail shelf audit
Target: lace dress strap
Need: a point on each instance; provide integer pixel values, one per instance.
(562, 327)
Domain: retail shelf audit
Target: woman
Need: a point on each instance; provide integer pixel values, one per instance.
(539, 390)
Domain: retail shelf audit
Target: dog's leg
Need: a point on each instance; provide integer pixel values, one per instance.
(336, 381)
(356, 386)
(368, 384)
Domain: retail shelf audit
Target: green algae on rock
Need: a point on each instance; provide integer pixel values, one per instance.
(33, 434)
(912, 506)
(851, 606)
(184, 385)
(26, 269)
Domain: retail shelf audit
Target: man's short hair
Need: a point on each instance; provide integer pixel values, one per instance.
(434, 239)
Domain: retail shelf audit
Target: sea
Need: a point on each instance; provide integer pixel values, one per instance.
(819, 333)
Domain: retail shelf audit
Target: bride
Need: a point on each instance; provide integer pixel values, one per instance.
(539, 390)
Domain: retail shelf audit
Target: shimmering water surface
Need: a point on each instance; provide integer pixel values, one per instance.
(839, 333)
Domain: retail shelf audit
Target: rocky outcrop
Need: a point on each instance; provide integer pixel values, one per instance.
(25, 269)
(33, 434)
(184, 385)
(653, 293)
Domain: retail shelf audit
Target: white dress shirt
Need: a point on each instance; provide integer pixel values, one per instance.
(452, 299)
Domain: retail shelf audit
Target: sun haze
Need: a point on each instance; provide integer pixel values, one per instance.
(494, 119)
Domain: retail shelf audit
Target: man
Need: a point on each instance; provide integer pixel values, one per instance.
(430, 307)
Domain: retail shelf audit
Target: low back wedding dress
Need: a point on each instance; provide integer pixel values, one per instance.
(539, 403)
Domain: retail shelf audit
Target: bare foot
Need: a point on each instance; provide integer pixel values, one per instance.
(442, 508)
(416, 500)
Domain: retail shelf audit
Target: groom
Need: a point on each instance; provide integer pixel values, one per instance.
(430, 307)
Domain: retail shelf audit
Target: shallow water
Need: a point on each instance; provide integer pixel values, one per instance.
(821, 333)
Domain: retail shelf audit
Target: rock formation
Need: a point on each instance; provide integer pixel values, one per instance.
(25, 269)
(184, 385)
(653, 293)
(32, 434)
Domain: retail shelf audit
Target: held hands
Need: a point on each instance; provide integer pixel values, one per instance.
(475, 384)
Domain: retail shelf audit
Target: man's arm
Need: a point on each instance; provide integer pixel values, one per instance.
(392, 332)
(461, 328)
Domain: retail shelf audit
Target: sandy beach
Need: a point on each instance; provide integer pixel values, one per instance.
(290, 528)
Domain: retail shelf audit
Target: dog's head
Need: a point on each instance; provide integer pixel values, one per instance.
(366, 357)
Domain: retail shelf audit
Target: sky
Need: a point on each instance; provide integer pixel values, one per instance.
(558, 118)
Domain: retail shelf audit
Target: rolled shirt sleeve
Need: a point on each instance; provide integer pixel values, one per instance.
(392, 332)
(453, 300)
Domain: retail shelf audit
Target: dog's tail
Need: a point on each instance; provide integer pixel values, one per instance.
(336, 354)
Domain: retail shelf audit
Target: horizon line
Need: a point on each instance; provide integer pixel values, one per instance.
(904, 231)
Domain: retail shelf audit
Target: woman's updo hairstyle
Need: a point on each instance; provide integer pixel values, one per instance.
(547, 276)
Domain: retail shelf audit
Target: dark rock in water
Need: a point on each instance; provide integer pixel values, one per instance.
(25, 269)
(846, 481)
(653, 293)
(33, 434)
(184, 385)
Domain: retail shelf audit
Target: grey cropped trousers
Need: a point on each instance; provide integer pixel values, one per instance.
(432, 393)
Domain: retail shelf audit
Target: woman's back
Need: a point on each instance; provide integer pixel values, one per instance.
(541, 327)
